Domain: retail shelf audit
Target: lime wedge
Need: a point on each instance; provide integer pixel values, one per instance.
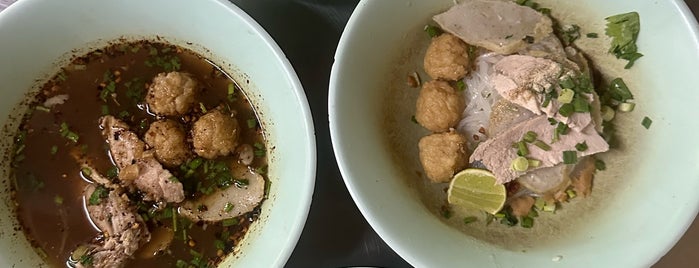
(476, 189)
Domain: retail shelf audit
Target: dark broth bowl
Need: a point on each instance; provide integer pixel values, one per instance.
(38, 37)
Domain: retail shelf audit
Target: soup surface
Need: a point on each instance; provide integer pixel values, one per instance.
(193, 131)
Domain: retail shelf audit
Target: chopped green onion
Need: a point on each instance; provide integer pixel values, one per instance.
(520, 164)
(105, 110)
(549, 207)
(532, 213)
(626, 107)
(522, 149)
(413, 119)
(446, 212)
(566, 109)
(228, 207)
(219, 244)
(86, 172)
(646, 122)
(552, 121)
(542, 145)
(539, 203)
(58, 200)
(112, 172)
(571, 193)
(432, 31)
(509, 219)
(607, 113)
(229, 222)
(567, 83)
(529, 137)
(460, 85)
(252, 123)
(600, 165)
(533, 163)
(570, 157)
(67, 133)
(566, 95)
(581, 146)
(54, 149)
(202, 107)
(181, 264)
(470, 219)
(619, 91)
(97, 196)
(581, 105)
(592, 35)
(527, 222)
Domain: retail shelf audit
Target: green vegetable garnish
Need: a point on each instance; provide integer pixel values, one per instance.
(542, 145)
(566, 109)
(229, 222)
(592, 35)
(646, 122)
(68, 134)
(619, 91)
(470, 219)
(570, 157)
(460, 85)
(252, 123)
(520, 164)
(581, 146)
(97, 196)
(527, 222)
(624, 29)
(600, 165)
(432, 31)
(54, 149)
(529, 137)
(228, 207)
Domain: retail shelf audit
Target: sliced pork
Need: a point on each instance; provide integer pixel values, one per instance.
(123, 231)
(497, 152)
(500, 26)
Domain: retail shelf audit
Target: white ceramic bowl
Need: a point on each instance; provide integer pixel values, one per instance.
(632, 223)
(38, 36)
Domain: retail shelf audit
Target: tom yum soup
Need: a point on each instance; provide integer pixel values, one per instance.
(142, 155)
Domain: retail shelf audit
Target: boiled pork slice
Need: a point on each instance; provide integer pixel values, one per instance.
(500, 26)
(497, 153)
(123, 230)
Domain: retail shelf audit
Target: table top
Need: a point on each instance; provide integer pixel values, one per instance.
(336, 234)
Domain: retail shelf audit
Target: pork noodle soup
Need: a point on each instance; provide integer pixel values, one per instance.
(140, 154)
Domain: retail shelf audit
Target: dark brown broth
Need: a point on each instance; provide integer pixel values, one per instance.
(48, 185)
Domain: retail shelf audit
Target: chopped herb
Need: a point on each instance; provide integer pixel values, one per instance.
(581, 146)
(231, 92)
(508, 219)
(529, 137)
(591, 35)
(508, 37)
(566, 95)
(600, 165)
(86, 172)
(529, 39)
(112, 172)
(86, 260)
(108, 90)
(646, 122)
(580, 105)
(626, 107)
(97, 196)
(432, 31)
(252, 123)
(228, 207)
(153, 51)
(624, 29)
(542, 145)
(446, 212)
(124, 114)
(619, 91)
(135, 90)
(533, 163)
(522, 149)
(571, 193)
(552, 121)
(58, 200)
(527, 222)
(259, 149)
(105, 110)
(229, 222)
(570, 157)
(54, 149)
(569, 34)
(520, 164)
(561, 129)
(567, 83)
(460, 85)
(566, 109)
(181, 264)
(68, 134)
(220, 245)
(532, 213)
(174, 179)
(202, 107)
(470, 219)
(168, 62)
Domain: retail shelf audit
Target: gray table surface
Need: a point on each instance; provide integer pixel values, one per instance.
(336, 234)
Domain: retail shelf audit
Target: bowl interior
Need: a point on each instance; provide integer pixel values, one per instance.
(38, 36)
(376, 146)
